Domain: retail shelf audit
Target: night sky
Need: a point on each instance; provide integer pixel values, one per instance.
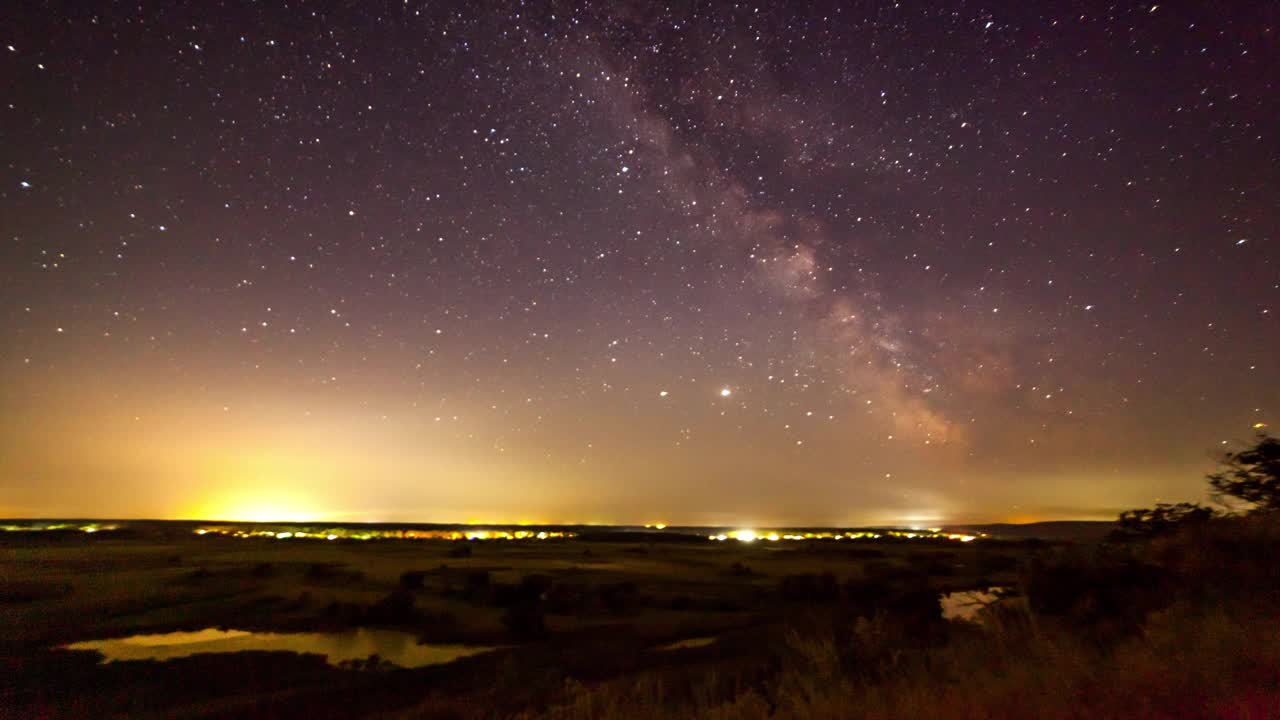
(852, 263)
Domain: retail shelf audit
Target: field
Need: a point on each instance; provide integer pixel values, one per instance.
(599, 624)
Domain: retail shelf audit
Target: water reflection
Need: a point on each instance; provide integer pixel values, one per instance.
(966, 604)
(687, 643)
(398, 648)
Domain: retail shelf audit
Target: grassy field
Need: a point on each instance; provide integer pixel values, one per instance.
(583, 626)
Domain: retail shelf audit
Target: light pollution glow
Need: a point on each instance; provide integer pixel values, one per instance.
(256, 464)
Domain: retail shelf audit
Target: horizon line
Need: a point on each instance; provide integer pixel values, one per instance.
(651, 526)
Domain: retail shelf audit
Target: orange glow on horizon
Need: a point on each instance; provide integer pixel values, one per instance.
(264, 505)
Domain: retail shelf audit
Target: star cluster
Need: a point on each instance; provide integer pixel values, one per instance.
(710, 263)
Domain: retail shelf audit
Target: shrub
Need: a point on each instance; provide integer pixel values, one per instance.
(809, 588)
(525, 621)
(621, 597)
(934, 563)
(477, 586)
(412, 579)
(1098, 594)
(396, 608)
(1159, 520)
(1251, 475)
(989, 562)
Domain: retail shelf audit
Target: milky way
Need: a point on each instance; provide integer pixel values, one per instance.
(704, 263)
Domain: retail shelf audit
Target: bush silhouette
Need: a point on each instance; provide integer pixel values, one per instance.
(412, 579)
(621, 597)
(1097, 594)
(1251, 476)
(525, 621)
(397, 608)
(809, 588)
(1161, 519)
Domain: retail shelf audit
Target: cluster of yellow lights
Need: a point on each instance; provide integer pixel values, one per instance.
(349, 534)
(748, 536)
(745, 536)
(40, 527)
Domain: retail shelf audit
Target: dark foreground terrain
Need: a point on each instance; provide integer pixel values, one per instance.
(1183, 624)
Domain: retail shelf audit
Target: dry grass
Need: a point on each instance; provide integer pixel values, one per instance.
(1212, 653)
(1186, 664)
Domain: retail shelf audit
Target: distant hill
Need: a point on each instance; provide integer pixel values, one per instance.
(1084, 530)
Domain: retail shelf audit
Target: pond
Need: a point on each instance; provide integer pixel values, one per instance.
(687, 643)
(398, 648)
(966, 604)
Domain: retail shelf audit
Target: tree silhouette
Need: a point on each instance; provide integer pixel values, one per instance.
(1251, 475)
(1145, 522)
